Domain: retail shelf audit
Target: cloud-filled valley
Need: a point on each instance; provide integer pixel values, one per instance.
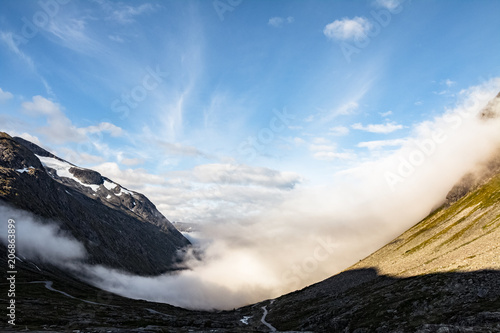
(281, 234)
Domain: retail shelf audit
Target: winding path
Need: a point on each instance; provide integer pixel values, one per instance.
(48, 285)
(263, 320)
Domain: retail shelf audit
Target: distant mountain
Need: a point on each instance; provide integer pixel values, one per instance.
(119, 228)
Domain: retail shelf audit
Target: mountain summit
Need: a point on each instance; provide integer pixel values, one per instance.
(119, 228)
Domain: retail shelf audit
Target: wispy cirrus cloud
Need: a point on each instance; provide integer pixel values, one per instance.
(125, 13)
(315, 147)
(378, 144)
(5, 95)
(333, 155)
(324, 150)
(278, 22)
(75, 33)
(388, 4)
(345, 109)
(245, 175)
(7, 38)
(116, 38)
(338, 131)
(449, 82)
(131, 161)
(378, 128)
(176, 148)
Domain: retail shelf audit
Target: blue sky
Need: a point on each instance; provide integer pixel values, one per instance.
(198, 103)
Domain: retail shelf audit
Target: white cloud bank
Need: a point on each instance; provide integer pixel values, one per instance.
(278, 22)
(378, 144)
(40, 239)
(315, 232)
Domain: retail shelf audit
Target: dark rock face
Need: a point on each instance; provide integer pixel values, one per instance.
(87, 176)
(35, 149)
(464, 186)
(16, 156)
(439, 302)
(124, 232)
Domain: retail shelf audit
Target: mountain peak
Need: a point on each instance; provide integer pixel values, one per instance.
(16, 156)
(118, 227)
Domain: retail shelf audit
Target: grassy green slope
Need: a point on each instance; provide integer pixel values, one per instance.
(442, 275)
(462, 237)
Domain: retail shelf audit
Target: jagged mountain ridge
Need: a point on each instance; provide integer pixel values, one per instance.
(119, 228)
(96, 186)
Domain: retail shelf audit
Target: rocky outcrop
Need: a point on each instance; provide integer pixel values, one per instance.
(87, 176)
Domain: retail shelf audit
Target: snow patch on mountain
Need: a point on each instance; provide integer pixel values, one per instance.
(109, 185)
(24, 170)
(62, 170)
(122, 190)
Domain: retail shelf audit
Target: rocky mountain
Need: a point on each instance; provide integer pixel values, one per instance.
(118, 227)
